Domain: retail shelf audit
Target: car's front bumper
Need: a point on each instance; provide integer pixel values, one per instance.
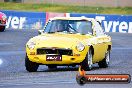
(65, 59)
(75, 58)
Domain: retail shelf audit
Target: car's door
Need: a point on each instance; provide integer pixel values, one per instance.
(100, 46)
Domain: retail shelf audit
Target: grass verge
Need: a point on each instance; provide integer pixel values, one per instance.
(63, 8)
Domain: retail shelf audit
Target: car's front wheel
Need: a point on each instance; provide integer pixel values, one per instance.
(30, 66)
(105, 62)
(88, 61)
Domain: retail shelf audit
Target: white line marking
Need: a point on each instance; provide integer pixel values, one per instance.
(6, 43)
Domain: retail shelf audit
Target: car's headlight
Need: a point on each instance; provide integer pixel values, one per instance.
(80, 47)
(31, 45)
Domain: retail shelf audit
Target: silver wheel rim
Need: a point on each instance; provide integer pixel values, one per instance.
(90, 59)
(108, 57)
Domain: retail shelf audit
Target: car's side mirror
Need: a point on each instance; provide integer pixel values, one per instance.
(40, 32)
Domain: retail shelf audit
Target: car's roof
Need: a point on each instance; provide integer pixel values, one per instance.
(72, 18)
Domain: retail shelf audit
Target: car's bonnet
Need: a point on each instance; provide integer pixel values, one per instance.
(59, 40)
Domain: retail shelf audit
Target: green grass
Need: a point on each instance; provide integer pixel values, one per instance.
(63, 8)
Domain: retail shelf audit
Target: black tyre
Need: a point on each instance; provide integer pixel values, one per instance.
(105, 62)
(52, 66)
(30, 66)
(88, 61)
(2, 28)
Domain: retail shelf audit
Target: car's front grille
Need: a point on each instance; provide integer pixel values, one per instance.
(57, 51)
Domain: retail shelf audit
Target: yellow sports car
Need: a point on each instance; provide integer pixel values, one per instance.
(69, 41)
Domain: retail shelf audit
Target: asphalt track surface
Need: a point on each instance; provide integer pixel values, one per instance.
(14, 75)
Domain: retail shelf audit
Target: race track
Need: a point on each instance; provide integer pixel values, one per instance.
(14, 75)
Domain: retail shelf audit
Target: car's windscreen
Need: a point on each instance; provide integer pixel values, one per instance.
(69, 26)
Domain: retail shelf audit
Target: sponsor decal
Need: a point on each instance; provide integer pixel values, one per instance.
(24, 20)
(120, 26)
(15, 22)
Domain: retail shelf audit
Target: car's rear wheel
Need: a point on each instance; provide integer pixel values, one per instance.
(30, 66)
(88, 61)
(52, 66)
(2, 28)
(105, 62)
